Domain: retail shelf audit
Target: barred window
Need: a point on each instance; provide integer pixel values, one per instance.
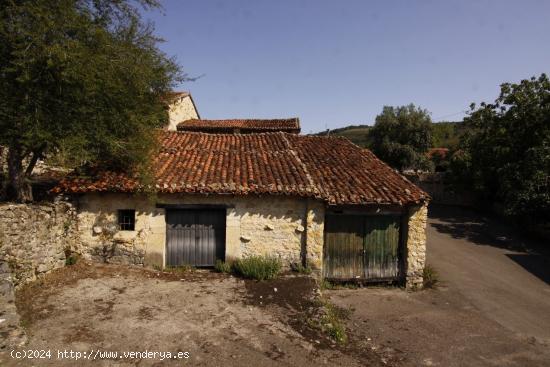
(127, 219)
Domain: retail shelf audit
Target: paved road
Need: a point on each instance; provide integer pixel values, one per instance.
(491, 267)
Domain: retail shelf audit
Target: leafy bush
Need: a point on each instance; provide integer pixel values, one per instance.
(257, 267)
(299, 268)
(507, 150)
(431, 278)
(71, 260)
(222, 267)
(71, 257)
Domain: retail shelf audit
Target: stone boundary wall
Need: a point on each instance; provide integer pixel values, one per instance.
(34, 237)
(33, 240)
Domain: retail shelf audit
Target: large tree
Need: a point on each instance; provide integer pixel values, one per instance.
(401, 136)
(506, 149)
(81, 78)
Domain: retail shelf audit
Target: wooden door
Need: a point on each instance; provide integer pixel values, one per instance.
(361, 247)
(381, 247)
(343, 250)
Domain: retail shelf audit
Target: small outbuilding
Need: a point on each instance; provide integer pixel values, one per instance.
(318, 201)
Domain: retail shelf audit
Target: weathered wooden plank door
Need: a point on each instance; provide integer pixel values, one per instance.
(381, 247)
(343, 250)
(194, 237)
(361, 247)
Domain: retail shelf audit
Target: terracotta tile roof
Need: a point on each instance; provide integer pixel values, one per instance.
(328, 168)
(291, 125)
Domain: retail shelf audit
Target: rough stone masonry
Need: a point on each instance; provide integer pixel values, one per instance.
(33, 241)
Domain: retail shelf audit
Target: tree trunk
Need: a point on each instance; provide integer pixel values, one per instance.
(18, 188)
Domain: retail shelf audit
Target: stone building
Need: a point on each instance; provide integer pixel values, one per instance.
(319, 201)
(181, 107)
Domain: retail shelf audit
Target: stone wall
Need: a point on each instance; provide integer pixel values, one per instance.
(33, 241)
(285, 227)
(33, 238)
(416, 245)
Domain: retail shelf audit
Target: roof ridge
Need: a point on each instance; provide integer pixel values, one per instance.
(304, 166)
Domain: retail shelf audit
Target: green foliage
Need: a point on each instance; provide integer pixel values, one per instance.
(180, 269)
(446, 134)
(326, 284)
(331, 320)
(157, 267)
(401, 136)
(507, 149)
(222, 267)
(71, 258)
(299, 268)
(257, 267)
(430, 276)
(81, 79)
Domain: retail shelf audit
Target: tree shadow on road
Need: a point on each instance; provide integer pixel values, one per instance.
(483, 230)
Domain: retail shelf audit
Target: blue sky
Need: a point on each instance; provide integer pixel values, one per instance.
(335, 63)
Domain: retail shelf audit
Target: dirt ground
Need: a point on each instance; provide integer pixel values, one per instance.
(434, 328)
(216, 318)
(221, 320)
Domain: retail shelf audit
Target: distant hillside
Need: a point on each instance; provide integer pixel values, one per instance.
(356, 133)
(445, 134)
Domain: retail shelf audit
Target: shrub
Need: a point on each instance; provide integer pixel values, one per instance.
(71, 257)
(222, 267)
(299, 268)
(431, 278)
(257, 267)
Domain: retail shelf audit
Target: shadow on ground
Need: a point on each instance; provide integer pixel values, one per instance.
(463, 223)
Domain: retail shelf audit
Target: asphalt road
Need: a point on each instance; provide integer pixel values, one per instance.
(493, 268)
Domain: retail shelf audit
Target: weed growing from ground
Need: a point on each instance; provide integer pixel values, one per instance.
(431, 277)
(257, 267)
(331, 320)
(179, 269)
(299, 268)
(222, 267)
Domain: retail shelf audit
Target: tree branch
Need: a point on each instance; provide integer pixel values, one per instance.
(36, 154)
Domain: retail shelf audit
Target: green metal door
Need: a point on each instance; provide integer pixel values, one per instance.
(361, 247)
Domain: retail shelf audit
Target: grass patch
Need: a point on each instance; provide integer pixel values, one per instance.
(299, 268)
(327, 284)
(431, 277)
(257, 267)
(330, 321)
(222, 267)
(157, 267)
(179, 269)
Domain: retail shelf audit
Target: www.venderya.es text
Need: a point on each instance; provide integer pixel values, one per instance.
(96, 354)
